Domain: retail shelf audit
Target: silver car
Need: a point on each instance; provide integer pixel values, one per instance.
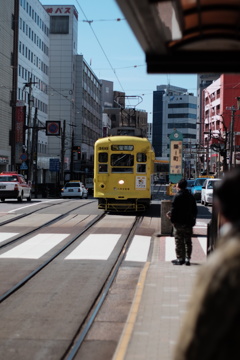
(74, 189)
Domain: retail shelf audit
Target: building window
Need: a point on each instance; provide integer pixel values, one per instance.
(59, 24)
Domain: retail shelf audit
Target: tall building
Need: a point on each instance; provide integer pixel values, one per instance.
(173, 108)
(8, 70)
(62, 78)
(220, 124)
(88, 117)
(74, 95)
(32, 93)
(203, 81)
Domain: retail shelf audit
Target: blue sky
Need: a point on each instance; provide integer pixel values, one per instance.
(114, 54)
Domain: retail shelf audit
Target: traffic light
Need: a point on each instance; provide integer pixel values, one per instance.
(77, 149)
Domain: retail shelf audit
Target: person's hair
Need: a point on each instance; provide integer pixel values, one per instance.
(227, 192)
(182, 184)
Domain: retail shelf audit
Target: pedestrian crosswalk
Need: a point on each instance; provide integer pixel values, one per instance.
(5, 236)
(93, 247)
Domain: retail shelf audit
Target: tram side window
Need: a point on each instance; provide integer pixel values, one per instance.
(102, 168)
(141, 168)
(141, 157)
(102, 158)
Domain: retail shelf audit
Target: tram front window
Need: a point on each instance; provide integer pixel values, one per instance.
(122, 163)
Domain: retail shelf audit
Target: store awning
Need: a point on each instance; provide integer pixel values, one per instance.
(186, 36)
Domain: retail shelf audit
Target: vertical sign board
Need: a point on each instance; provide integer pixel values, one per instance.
(19, 130)
(54, 164)
(176, 160)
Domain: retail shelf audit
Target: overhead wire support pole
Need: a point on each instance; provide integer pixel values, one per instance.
(29, 126)
(63, 133)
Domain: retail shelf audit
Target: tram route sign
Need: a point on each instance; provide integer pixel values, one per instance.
(176, 158)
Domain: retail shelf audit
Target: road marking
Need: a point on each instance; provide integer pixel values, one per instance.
(170, 247)
(131, 320)
(95, 247)
(4, 236)
(35, 247)
(203, 243)
(138, 250)
(35, 204)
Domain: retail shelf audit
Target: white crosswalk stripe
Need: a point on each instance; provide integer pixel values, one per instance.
(35, 247)
(170, 247)
(95, 247)
(138, 250)
(5, 236)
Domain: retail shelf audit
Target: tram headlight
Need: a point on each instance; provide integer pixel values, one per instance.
(121, 182)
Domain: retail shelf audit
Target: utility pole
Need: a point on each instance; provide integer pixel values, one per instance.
(232, 108)
(28, 127)
(72, 145)
(34, 152)
(63, 133)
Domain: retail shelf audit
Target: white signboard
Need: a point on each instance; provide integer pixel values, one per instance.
(176, 157)
(141, 182)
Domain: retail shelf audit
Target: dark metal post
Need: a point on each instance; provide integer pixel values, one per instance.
(231, 136)
(63, 131)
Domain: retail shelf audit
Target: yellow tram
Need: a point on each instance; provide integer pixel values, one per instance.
(123, 171)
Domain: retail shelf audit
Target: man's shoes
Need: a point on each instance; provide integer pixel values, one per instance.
(187, 262)
(178, 262)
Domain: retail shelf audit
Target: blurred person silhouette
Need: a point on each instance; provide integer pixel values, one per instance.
(183, 217)
(211, 328)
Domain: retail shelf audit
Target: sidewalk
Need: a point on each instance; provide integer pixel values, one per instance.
(160, 302)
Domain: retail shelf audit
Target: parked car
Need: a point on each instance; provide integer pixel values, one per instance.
(74, 189)
(14, 186)
(207, 191)
(196, 188)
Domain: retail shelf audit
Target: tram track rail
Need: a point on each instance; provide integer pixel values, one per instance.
(18, 294)
(36, 229)
(21, 216)
(96, 306)
(21, 283)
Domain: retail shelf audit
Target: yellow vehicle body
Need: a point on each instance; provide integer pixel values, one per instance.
(123, 171)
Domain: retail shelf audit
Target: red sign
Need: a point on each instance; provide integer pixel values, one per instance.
(61, 10)
(53, 128)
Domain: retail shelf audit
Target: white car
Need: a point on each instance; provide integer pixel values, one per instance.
(207, 191)
(14, 186)
(74, 189)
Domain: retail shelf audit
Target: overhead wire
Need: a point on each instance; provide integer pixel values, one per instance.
(99, 43)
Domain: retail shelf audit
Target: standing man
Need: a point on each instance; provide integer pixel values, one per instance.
(210, 329)
(183, 217)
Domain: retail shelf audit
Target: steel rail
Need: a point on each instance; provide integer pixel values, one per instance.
(42, 266)
(42, 226)
(90, 317)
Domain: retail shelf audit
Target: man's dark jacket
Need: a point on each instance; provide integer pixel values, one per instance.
(184, 209)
